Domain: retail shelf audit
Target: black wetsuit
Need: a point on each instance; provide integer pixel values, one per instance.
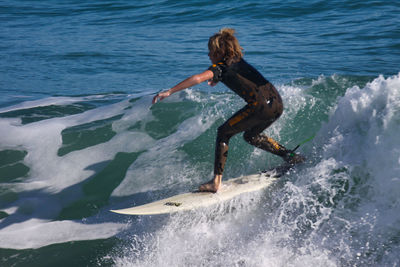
(264, 106)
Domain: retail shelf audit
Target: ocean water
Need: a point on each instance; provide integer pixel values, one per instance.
(79, 136)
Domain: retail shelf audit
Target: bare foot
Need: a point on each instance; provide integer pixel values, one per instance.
(211, 186)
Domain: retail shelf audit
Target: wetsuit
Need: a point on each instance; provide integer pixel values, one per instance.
(264, 106)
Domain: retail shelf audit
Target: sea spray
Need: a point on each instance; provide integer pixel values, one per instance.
(339, 208)
(331, 211)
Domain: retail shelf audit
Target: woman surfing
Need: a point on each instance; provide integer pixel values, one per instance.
(263, 102)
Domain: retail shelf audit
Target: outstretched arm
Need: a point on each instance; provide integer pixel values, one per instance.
(189, 82)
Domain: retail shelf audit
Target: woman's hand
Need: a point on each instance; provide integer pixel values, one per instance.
(160, 96)
(189, 82)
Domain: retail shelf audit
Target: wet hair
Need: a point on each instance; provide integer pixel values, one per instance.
(224, 45)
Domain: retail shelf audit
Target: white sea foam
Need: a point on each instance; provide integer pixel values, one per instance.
(364, 129)
(343, 209)
(36, 233)
(50, 174)
(43, 139)
(42, 102)
(57, 101)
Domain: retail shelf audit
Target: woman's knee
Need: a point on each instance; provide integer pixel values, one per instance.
(223, 134)
(250, 137)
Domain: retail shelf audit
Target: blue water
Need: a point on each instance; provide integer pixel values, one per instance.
(78, 135)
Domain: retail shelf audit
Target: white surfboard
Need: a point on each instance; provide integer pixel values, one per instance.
(229, 189)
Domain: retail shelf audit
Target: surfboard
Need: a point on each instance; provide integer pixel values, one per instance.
(192, 200)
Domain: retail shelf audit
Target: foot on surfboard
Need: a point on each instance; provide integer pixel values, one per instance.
(291, 159)
(210, 186)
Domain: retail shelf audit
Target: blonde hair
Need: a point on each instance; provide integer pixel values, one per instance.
(224, 45)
